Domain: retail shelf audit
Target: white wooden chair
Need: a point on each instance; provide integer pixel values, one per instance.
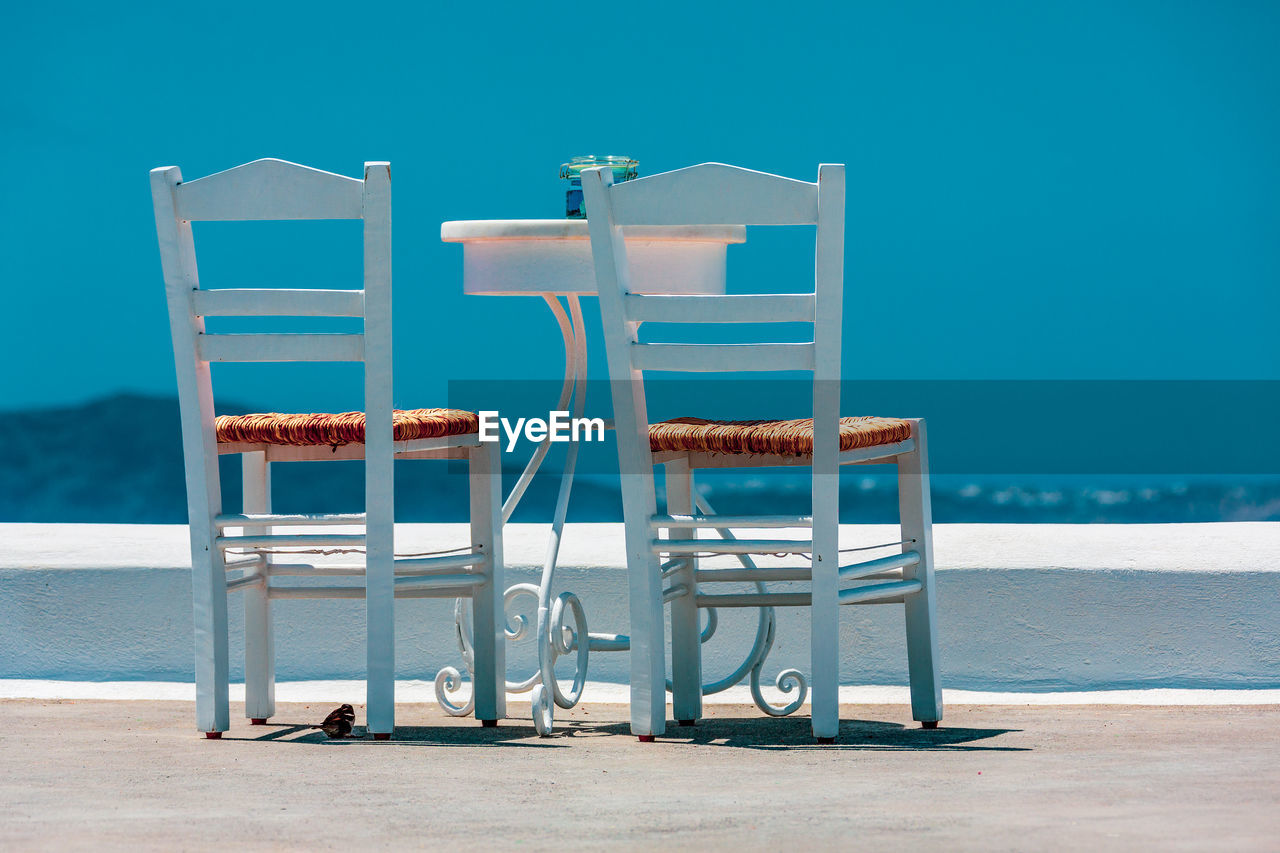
(716, 194)
(275, 189)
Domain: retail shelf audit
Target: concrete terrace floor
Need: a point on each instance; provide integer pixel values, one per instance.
(112, 775)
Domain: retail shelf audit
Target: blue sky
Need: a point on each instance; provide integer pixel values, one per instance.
(1077, 190)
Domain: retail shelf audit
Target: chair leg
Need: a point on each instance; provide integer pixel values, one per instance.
(209, 604)
(487, 604)
(824, 614)
(686, 631)
(259, 644)
(921, 608)
(824, 652)
(380, 649)
(644, 581)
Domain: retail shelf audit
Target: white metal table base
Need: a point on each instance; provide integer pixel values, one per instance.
(554, 636)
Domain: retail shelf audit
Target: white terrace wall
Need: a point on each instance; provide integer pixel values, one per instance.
(1022, 607)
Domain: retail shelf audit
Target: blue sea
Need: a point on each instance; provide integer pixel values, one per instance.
(128, 469)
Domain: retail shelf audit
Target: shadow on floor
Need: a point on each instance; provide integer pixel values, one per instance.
(464, 733)
(768, 733)
(796, 733)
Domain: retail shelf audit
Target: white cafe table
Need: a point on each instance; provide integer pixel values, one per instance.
(551, 258)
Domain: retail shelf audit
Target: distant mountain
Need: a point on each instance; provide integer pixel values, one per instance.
(113, 460)
(119, 460)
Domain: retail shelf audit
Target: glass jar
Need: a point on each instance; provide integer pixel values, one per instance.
(624, 169)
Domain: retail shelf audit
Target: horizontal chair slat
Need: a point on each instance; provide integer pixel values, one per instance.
(715, 193)
(724, 522)
(670, 567)
(880, 451)
(881, 564)
(298, 540)
(792, 573)
(244, 564)
(247, 580)
(879, 592)
(270, 189)
(266, 302)
(315, 592)
(357, 592)
(891, 592)
(427, 564)
(274, 520)
(754, 308)
(671, 593)
(741, 575)
(722, 358)
(732, 546)
(440, 581)
(436, 592)
(755, 599)
(280, 347)
(309, 570)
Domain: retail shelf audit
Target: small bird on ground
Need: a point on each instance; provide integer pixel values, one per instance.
(339, 722)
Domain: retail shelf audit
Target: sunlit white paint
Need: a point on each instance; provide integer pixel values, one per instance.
(1129, 606)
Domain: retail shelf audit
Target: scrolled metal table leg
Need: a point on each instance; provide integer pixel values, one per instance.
(551, 632)
(787, 680)
(553, 636)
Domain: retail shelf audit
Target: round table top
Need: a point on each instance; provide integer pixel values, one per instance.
(467, 230)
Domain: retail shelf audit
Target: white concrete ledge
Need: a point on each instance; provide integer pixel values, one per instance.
(1023, 608)
(608, 692)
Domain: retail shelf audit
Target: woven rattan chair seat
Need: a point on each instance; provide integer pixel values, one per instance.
(781, 438)
(335, 430)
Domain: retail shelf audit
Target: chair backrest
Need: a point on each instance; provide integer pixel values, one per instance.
(716, 194)
(272, 190)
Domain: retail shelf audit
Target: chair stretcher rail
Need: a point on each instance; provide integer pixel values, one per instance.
(245, 564)
(425, 565)
(732, 546)
(404, 567)
(723, 522)
(745, 575)
(294, 540)
(441, 581)
(357, 592)
(889, 592)
(879, 592)
(247, 580)
(904, 560)
(273, 520)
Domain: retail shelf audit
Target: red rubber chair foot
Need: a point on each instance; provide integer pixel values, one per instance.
(213, 735)
(686, 722)
(382, 735)
(489, 724)
(257, 721)
(646, 738)
(826, 741)
(929, 724)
